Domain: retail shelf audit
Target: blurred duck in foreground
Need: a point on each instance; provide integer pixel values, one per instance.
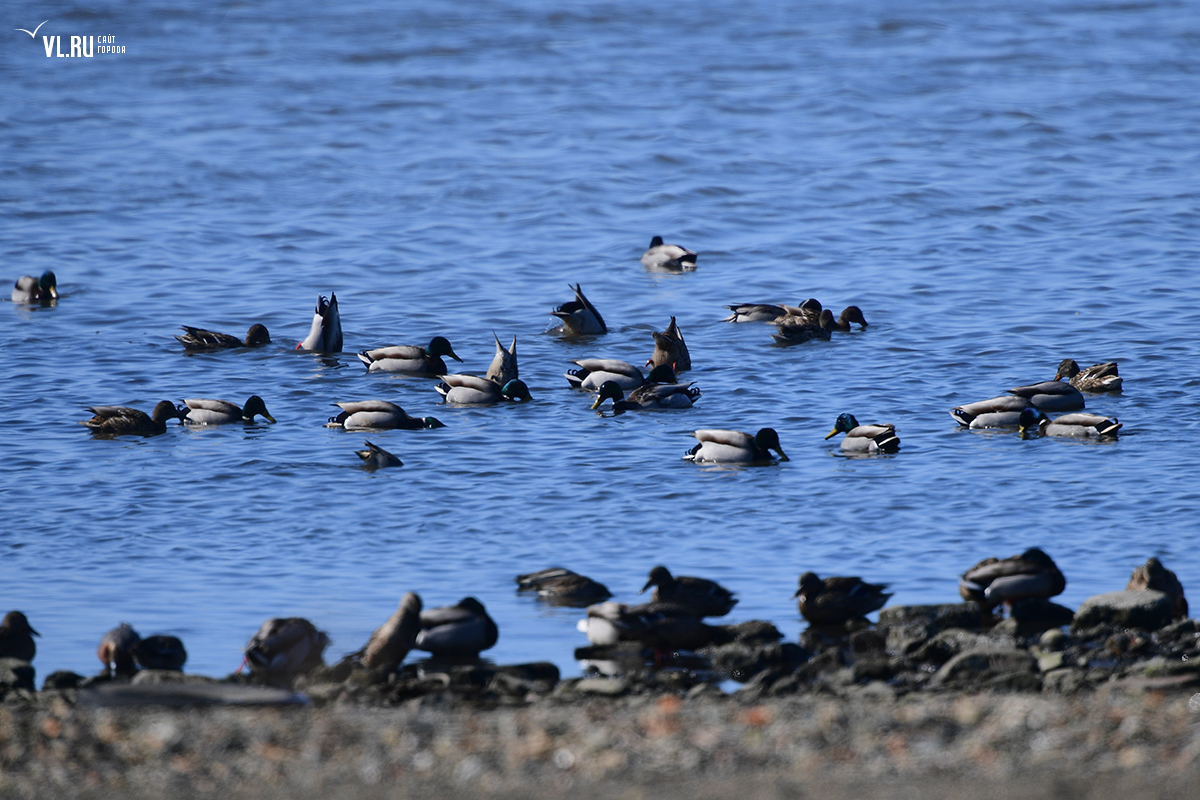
(30, 290)
(703, 597)
(198, 339)
(668, 256)
(285, 648)
(836, 601)
(559, 586)
(1006, 580)
(16, 637)
(664, 627)
(462, 630)
(325, 335)
(393, 640)
(410, 358)
(160, 652)
(116, 651)
(870, 439)
(1096, 379)
(579, 317)
(121, 420)
(735, 447)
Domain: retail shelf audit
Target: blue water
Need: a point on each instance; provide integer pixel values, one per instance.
(998, 186)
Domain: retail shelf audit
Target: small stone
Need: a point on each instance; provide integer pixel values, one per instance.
(605, 687)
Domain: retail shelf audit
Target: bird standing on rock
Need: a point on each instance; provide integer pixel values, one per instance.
(704, 597)
(836, 601)
(16, 637)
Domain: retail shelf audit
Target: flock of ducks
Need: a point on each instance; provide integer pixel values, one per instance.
(283, 648)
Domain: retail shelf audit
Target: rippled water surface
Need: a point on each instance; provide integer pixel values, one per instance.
(997, 185)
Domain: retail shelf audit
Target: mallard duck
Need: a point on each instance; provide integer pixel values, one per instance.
(704, 597)
(410, 358)
(1096, 379)
(369, 414)
(504, 364)
(661, 626)
(285, 648)
(669, 348)
(651, 396)
(1050, 396)
(668, 256)
(201, 339)
(325, 336)
(735, 447)
(462, 630)
(1075, 425)
(1004, 580)
(203, 411)
(392, 640)
(29, 289)
(998, 412)
(836, 601)
(562, 587)
(470, 390)
(850, 314)
(116, 650)
(160, 652)
(375, 457)
(768, 312)
(806, 331)
(877, 438)
(1153, 575)
(16, 637)
(594, 371)
(121, 420)
(811, 313)
(579, 317)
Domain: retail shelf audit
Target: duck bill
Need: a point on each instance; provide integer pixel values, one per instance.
(831, 434)
(268, 418)
(596, 404)
(783, 456)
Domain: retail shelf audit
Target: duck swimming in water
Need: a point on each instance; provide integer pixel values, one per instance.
(734, 447)
(413, 359)
(198, 339)
(30, 290)
(668, 256)
(579, 317)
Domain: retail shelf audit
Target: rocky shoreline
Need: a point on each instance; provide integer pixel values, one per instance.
(931, 701)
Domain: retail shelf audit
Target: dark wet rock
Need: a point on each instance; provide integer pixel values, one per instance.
(62, 679)
(938, 617)
(1147, 609)
(1035, 615)
(1065, 681)
(605, 687)
(187, 693)
(868, 640)
(979, 664)
(150, 677)
(875, 666)
(1052, 640)
(946, 644)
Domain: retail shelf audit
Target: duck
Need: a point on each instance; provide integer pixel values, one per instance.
(1050, 396)
(393, 640)
(651, 396)
(876, 438)
(836, 601)
(811, 313)
(201, 339)
(594, 371)
(806, 331)
(462, 630)
(705, 598)
(369, 414)
(579, 317)
(1075, 425)
(116, 651)
(670, 348)
(1156, 577)
(16, 637)
(668, 256)
(30, 290)
(769, 312)
(664, 627)
(122, 420)
(325, 336)
(1096, 379)
(504, 364)
(284, 648)
(735, 447)
(997, 412)
(160, 652)
(203, 411)
(413, 359)
(562, 587)
(470, 390)
(375, 457)
(1005, 580)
